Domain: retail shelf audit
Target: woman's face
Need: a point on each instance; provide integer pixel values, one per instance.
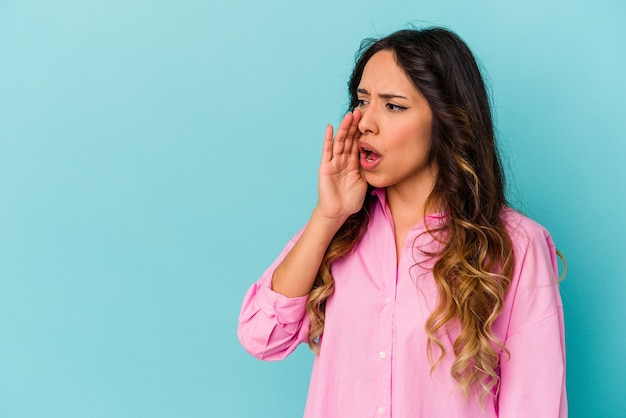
(395, 127)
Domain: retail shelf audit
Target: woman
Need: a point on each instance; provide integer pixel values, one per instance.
(421, 293)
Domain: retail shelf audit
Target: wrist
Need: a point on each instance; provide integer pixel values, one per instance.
(331, 224)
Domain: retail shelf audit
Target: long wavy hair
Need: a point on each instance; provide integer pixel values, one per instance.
(474, 265)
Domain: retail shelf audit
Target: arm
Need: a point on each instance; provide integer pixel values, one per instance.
(533, 376)
(272, 321)
(272, 325)
(341, 190)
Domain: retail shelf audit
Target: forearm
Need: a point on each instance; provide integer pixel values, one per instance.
(271, 325)
(295, 276)
(341, 189)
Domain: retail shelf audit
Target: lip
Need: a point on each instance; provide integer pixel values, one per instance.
(366, 149)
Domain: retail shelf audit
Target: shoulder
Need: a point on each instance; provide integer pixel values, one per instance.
(535, 264)
(525, 232)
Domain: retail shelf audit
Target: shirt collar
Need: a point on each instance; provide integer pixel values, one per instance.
(381, 194)
(434, 219)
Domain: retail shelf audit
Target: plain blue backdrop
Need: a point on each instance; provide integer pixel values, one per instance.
(155, 156)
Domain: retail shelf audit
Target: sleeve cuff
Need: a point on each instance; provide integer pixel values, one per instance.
(286, 310)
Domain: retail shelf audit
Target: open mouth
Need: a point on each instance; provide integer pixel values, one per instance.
(369, 158)
(369, 155)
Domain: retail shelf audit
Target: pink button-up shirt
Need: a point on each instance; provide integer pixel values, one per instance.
(373, 360)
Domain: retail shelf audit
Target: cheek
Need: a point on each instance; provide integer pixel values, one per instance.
(424, 129)
(417, 125)
(415, 139)
(423, 136)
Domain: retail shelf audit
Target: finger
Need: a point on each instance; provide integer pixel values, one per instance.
(356, 118)
(342, 133)
(354, 150)
(327, 149)
(353, 130)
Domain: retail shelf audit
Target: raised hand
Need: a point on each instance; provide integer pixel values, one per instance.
(342, 189)
(341, 183)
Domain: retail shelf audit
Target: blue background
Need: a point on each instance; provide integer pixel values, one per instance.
(156, 156)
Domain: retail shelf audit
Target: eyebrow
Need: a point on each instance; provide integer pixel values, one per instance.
(382, 96)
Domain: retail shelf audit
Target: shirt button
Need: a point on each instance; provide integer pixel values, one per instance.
(382, 354)
(381, 410)
(387, 300)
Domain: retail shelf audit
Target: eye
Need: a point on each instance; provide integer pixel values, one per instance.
(395, 107)
(361, 102)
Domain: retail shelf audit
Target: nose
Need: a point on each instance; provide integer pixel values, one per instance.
(367, 124)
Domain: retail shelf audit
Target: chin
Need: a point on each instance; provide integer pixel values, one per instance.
(377, 183)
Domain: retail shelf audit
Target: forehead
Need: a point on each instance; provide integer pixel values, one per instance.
(383, 72)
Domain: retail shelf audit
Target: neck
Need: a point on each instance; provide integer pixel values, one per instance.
(408, 204)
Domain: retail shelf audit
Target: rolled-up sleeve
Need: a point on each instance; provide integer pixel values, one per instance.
(272, 325)
(533, 374)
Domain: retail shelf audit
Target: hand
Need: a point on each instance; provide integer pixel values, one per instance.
(341, 183)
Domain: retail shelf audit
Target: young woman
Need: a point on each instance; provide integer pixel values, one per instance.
(420, 291)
